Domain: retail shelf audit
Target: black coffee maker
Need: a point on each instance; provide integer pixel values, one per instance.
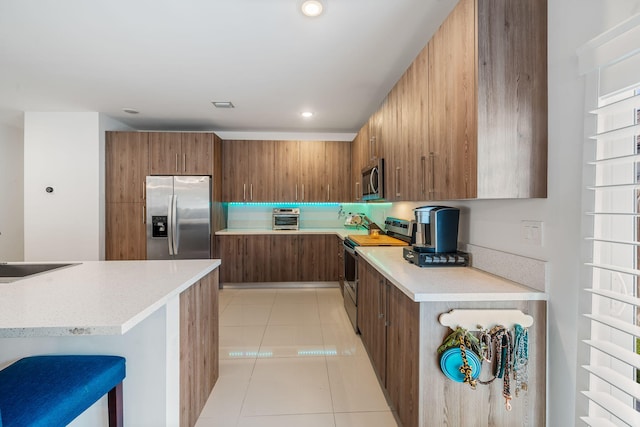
(438, 226)
(437, 243)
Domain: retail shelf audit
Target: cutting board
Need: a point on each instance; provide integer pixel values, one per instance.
(366, 240)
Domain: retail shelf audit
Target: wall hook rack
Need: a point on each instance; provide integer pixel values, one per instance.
(476, 320)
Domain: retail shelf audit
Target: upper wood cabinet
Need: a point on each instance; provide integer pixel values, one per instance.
(337, 169)
(126, 166)
(359, 159)
(468, 119)
(286, 171)
(488, 101)
(174, 153)
(248, 174)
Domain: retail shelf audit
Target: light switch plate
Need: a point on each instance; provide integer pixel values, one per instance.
(531, 232)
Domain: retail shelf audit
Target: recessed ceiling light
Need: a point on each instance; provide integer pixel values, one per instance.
(130, 111)
(223, 104)
(306, 114)
(311, 8)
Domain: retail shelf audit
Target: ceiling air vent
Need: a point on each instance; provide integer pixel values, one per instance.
(223, 104)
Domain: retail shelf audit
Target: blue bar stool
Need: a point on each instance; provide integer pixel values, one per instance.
(51, 391)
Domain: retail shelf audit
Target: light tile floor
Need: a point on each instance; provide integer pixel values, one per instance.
(289, 357)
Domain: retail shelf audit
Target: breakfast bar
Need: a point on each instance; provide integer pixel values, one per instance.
(160, 315)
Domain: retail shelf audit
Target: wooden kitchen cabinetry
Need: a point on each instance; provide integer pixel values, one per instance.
(359, 159)
(488, 101)
(126, 233)
(286, 171)
(129, 158)
(389, 325)
(175, 153)
(402, 337)
(337, 171)
(277, 258)
(468, 119)
(248, 173)
(126, 168)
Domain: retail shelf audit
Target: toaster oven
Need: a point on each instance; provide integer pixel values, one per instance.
(286, 219)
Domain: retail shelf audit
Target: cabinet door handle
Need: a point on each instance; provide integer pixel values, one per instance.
(244, 192)
(176, 162)
(328, 194)
(423, 165)
(380, 311)
(357, 191)
(251, 192)
(296, 192)
(302, 192)
(372, 150)
(398, 181)
(184, 163)
(432, 157)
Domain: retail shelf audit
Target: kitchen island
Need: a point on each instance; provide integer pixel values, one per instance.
(160, 315)
(399, 308)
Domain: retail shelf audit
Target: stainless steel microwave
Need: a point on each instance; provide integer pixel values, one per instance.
(373, 181)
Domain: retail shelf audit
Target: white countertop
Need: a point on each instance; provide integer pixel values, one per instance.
(341, 232)
(94, 298)
(443, 283)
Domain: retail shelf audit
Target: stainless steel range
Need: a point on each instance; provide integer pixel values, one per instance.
(397, 232)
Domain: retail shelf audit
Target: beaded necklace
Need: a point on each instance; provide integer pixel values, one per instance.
(521, 359)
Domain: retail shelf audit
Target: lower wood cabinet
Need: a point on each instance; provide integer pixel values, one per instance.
(199, 359)
(402, 337)
(389, 325)
(126, 235)
(278, 258)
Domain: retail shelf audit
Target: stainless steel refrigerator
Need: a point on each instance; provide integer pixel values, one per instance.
(178, 217)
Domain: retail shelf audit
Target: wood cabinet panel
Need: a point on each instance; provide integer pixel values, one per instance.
(175, 153)
(313, 262)
(126, 235)
(231, 250)
(359, 158)
(257, 253)
(261, 158)
(453, 105)
(248, 171)
(198, 346)
(487, 402)
(126, 166)
(197, 153)
(287, 157)
(512, 77)
(403, 350)
(312, 174)
(372, 311)
(283, 259)
(165, 153)
(337, 168)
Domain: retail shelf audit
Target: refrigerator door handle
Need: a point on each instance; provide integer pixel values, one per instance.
(174, 225)
(170, 225)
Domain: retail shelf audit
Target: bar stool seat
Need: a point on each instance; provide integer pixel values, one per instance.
(52, 391)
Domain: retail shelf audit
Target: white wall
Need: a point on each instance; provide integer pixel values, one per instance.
(64, 151)
(11, 191)
(61, 151)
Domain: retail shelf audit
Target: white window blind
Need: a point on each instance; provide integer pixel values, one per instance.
(612, 156)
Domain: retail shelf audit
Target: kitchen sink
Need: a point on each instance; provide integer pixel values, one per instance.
(12, 272)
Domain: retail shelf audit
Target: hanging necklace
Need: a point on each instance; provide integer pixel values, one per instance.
(521, 359)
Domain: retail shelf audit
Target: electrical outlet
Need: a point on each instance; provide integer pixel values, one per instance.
(531, 232)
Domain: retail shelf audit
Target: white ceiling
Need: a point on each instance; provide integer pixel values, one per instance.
(170, 58)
